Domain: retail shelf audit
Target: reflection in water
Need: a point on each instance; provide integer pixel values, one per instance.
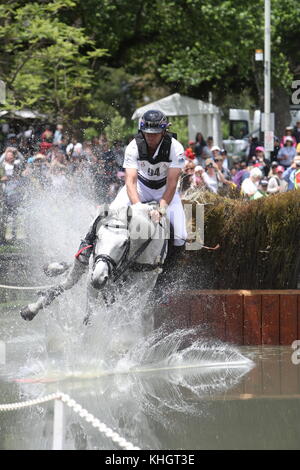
(155, 380)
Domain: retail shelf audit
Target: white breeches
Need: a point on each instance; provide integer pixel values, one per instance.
(175, 210)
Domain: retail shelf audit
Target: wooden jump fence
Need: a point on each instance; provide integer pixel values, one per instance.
(242, 317)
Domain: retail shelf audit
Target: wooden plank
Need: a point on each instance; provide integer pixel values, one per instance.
(208, 312)
(178, 312)
(234, 332)
(217, 317)
(288, 319)
(270, 319)
(199, 310)
(252, 319)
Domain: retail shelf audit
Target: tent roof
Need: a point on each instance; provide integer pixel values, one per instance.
(22, 114)
(178, 105)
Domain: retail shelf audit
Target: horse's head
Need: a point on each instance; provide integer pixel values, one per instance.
(111, 247)
(118, 233)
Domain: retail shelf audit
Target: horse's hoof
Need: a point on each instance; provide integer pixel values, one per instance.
(27, 314)
(55, 269)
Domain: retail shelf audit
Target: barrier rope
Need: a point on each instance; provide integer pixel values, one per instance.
(82, 412)
(3, 286)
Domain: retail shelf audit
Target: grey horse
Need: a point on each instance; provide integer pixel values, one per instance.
(128, 246)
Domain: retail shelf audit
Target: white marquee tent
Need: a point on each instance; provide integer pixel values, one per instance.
(202, 117)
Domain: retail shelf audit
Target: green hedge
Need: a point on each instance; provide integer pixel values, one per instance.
(259, 244)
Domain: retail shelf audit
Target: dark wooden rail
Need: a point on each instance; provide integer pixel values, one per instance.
(241, 317)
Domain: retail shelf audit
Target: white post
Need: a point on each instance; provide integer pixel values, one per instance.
(267, 72)
(58, 425)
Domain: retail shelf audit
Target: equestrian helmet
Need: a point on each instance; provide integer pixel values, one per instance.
(153, 122)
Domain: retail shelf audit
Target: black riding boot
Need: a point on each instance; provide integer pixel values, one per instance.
(87, 244)
(85, 250)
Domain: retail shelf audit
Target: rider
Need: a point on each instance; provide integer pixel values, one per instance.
(153, 162)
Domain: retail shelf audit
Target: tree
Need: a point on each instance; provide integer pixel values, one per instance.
(87, 59)
(45, 63)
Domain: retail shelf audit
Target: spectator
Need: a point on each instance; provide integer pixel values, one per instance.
(253, 144)
(58, 170)
(199, 147)
(207, 153)
(228, 162)
(250, 185)
(47, 135)
(70, 147)
(290, 174)
(277, 147)
(296, 132)
(213, 177)
(37, 171)
(12, 193)
(276, 183)
(261, 190)
(219, 159)
(197, 180)
(288, 133)
(241, 175)
(58, 135)
(272, 171)
(186, 176)
(287, 153)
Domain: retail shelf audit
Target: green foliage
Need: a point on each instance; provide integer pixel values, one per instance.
(259, 242)
(180, 126)
(89, 133)
(116, 129)
(42, 60)
(82, 60)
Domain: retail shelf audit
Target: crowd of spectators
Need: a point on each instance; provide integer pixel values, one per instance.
(253, 176)
(47, 159)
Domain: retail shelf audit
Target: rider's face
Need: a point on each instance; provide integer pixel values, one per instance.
(153, 140)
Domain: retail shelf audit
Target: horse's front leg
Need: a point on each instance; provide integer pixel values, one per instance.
(48, 296)
(96, 282)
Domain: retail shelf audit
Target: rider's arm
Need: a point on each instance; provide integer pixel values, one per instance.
(172, 180)
(131, 185)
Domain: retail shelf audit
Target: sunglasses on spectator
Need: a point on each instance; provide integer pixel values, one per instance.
(218, 159)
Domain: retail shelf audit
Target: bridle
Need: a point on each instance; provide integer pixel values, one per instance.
(111, 263)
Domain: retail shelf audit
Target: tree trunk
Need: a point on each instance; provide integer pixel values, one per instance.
(281, 108)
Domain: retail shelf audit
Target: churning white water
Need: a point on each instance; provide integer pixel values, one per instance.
(55, 221)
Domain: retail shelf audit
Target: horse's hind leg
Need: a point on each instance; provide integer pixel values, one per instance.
(46, 298)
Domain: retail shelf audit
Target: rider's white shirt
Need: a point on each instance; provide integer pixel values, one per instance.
(154, 172)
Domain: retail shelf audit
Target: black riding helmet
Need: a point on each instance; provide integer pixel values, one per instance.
(153, 122)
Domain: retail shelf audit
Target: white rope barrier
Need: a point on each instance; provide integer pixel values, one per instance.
(82, 412)
(3, 286)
